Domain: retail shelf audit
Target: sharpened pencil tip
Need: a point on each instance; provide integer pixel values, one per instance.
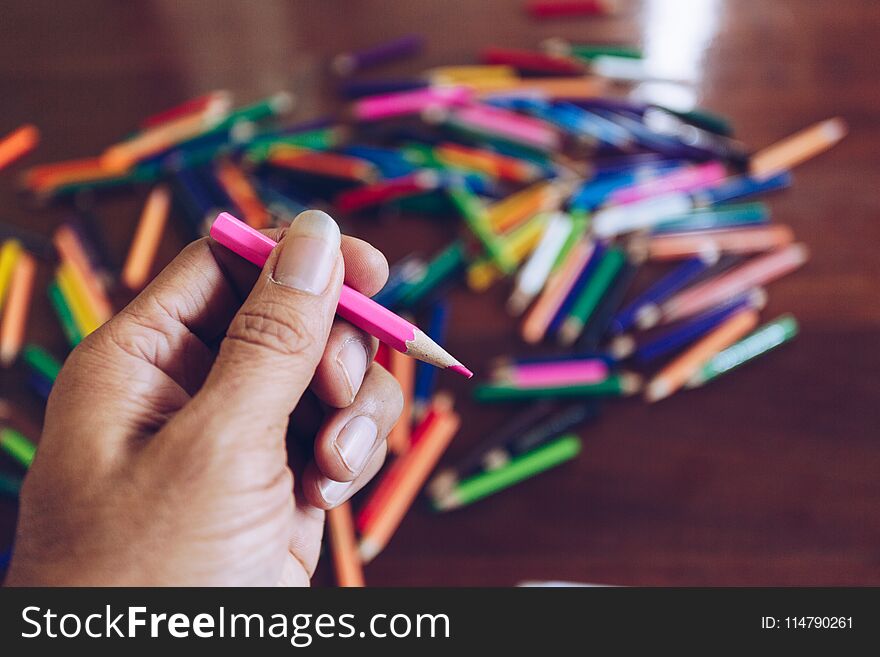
(461, 369)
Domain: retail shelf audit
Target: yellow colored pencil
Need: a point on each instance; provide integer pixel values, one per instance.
(83, 315)
(9, 254)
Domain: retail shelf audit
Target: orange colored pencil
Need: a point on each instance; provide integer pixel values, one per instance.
(122, 156)
(237, 186)
(72, 253)
(679, 371)
(322, 163)
(142, 252)
(407, 475)
(381, 493)
(488, 162)
(511, 211)
(15, 310)
(560, 283)
(18, 143)
(49, 176)
(343, 544)
(797, 148)
(739, 241)
(402, 368)
(578, 88)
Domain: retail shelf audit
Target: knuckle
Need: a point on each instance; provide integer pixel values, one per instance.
(273, 327)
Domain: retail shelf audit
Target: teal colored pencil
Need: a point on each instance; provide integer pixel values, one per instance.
(10, 485)
(737, 215)
(65, 317)
(516, 470)
(760, 341)
(583, 308)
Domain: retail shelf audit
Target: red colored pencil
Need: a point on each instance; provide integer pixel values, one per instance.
(528, 61)
(561, 8)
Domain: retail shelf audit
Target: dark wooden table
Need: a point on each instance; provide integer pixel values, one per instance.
(769, 476)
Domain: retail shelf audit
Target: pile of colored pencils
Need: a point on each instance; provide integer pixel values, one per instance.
(564, 188)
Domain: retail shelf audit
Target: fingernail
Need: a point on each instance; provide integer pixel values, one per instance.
(308, 252)
(352, 358)
(355, 442)
(333, 491)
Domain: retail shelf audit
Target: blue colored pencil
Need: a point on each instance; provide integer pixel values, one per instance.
(654, 142)
(686, 332)
(39, 384)
(391, 163)
(608, 166)
(657, 294)
(194, 193)
(740, 187)
(402, 273)
(426, 375)
(282, 206)
(577, 288)
(5, 558)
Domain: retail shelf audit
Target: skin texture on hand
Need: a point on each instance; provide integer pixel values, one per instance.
(163, 459)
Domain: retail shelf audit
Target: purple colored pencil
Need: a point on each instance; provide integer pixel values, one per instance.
(359, 88)
(657, 293)
(686, 332)
(358, 60)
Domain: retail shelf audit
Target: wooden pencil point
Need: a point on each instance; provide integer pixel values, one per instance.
(423, 348)
(622, 346)
(368, 550)
(657, 390)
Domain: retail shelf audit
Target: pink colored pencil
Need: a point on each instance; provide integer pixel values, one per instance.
(402, 103)
(688, 179)
(754, 273)
(508, 125)
(537, 375)
(358, 309)
(731, 240)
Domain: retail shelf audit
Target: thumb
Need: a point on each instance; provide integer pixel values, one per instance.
(276, 339)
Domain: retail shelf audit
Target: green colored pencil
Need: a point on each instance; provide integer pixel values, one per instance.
(274, 105)
(442, 267)
(17, 446)
(736, 215)
(758, 342)
(617, 385)
(703, 118)
(321, 139)
(517, 469)
(41, 361)
(589, 52)
(584, 306)
(68, 325)
(423, 156)
(472, 210)
(10, 485)
(580, 222)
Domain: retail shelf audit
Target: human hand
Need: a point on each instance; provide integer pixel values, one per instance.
(163, 457)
